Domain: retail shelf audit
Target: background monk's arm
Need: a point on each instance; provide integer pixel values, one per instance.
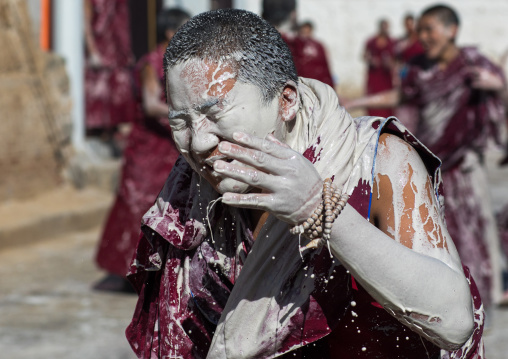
(151, 93)
(385, 99)
(485, 79)
(93, 52)
(417, 277)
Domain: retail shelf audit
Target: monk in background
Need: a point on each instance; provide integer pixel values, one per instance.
(148, 157)
(309, 55)
(406, 48)
(457, 93)
(379, 55)
(109, 94)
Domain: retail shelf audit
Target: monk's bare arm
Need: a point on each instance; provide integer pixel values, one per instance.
(89, 37)
(385, 99)
(151, 93)
(408, 263)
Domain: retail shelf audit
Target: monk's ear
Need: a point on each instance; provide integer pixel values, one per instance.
(289, 101)
(452, 32)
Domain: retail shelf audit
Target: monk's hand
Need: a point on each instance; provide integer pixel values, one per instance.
(95, 60)
(290, 185)
(483, 79)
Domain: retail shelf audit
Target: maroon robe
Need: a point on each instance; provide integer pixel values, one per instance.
(380, 71)
(406, 49)
(164, 309)
(455, 121)
(109, 89)
(148, 158)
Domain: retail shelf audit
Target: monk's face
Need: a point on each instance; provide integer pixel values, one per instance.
(435, 37)
(384, 27)
(409, 24)
(206, 106)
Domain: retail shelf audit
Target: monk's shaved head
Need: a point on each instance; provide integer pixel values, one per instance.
(252, 46)
(444, 13)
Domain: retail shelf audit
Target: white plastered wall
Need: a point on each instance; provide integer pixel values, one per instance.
(344, 25)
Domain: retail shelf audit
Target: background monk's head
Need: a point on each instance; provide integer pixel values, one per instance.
(168, 22)
(437, 30)
(383, 28)
(226, 71)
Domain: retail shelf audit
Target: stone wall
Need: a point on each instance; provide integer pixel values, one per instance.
(35, 109)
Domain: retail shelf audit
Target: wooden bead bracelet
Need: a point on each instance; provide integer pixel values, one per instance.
(318, 226)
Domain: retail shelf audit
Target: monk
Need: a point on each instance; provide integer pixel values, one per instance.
(409, 45)
(287, 228)
(109, 99)
(406, 48)
(379, 55)
(148, 158)
(309, 55)
(456, 93)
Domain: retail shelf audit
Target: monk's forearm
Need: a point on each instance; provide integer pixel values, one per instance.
(89, 38)
(420, 291)
(152, 105)
(385, 99)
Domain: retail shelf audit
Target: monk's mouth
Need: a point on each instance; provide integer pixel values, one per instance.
(215, 156)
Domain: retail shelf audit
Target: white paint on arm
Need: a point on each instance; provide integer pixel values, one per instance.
(408, 263)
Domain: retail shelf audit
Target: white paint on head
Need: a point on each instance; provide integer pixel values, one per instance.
(220, 79)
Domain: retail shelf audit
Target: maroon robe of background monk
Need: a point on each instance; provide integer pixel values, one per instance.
(148, 158)
(109, 95)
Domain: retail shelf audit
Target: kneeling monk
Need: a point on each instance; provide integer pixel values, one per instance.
(286, 227)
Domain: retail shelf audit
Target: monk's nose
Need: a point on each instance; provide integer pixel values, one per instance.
(203, 139)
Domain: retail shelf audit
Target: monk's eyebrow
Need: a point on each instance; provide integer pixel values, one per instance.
(176, 114)
(199, 108)
(206, 105)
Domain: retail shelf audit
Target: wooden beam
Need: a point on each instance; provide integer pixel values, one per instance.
(152, 24)
(45, 28)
